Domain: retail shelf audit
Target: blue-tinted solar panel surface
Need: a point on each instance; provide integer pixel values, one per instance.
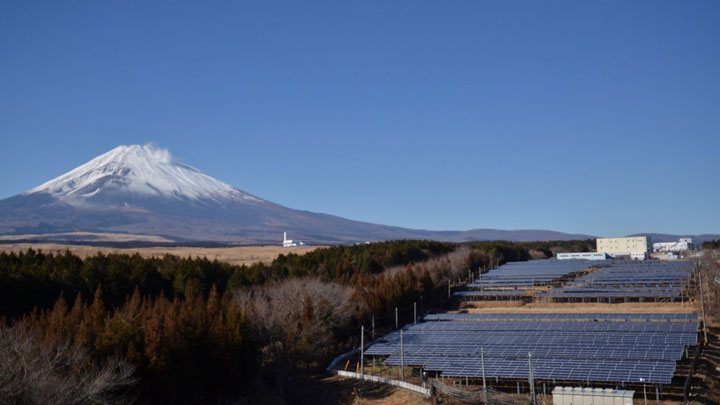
(582, 347)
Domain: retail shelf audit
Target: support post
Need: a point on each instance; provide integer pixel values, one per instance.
(396, 318)
(657, 394)
(531, 380)
(414, 312)
(362, 349)
(402, 357)
(482, 358)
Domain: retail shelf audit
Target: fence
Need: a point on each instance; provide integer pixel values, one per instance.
(427, 392)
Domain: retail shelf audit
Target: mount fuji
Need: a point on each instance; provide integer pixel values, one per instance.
(144, 190)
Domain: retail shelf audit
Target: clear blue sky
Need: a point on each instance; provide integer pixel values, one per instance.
(595, 117)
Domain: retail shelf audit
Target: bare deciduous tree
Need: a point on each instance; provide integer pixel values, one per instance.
(35, 372)
(299, 316)
(709, 264)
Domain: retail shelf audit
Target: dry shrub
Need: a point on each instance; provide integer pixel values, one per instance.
(298, 318)
(537, 254)
(37, 372)
(453, 265)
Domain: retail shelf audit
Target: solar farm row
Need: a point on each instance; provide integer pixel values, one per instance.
(493, 293)
(667, 352)
(659, 372)
(579, 316)
(644, 327)
(618, 293)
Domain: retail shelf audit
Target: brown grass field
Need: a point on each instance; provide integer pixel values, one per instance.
(238, 255)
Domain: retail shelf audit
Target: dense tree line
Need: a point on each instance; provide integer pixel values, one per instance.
(711, 244)
(195, 330)
(190, 349)
(32, 278)
(341, 263)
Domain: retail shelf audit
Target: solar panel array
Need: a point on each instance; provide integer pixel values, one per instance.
(529, 273)
(490, 293)
(565, 316)
(578, 347)
(638, 273)
(628, 280)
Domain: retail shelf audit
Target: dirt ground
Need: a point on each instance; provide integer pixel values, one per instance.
(354, 392)
(235, 255)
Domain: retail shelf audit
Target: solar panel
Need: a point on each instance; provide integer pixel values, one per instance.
(689, 317)
(639, 280)
(501, 293)
(528, 273)
(659, 372)
(615, 347)
(583, 347)
(560, 316)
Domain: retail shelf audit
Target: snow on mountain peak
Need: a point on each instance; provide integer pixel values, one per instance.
(139, 171)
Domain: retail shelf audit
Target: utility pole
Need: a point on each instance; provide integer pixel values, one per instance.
(448, 288)
(414, 312)
(362, 349)
(402, 356)
(531, 380)
(373, 327)
(396, 318)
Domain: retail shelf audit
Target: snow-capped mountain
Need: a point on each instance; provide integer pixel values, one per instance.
(144, 190)
(138, 172)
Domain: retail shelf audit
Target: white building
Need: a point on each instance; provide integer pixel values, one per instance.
(582, 256)
(634, 247)
(289, 242)
(682, 245)
(591, 396)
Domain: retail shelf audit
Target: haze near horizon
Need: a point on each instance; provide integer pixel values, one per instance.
(583, 118)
